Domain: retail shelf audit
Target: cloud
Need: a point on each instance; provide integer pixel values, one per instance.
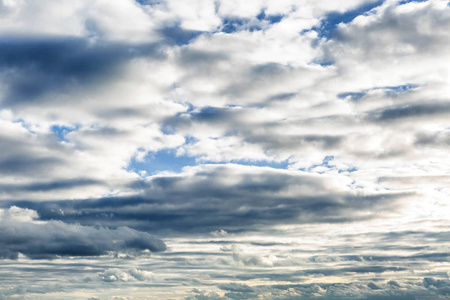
(112, 275)
(329, 291)
(247, 258)
(410, 111)
(235, 287)
(125, 20)
(23, 233)
(288, 149)
(441, 287)
(219, 233)
(230, 197)
(35, 68)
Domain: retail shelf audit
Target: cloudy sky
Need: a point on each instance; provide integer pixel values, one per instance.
(224, 149)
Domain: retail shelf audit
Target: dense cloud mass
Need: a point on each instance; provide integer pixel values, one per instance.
(230, 197)
(215, 149)
(22, 233)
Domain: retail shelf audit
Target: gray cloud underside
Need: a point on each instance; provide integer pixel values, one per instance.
(35, 67)
(219, 197)
(52, 239)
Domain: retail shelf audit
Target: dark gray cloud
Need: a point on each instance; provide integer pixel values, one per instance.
(286, 142)
(412, 110)
(235, 287)
(21, 233)
(179, 36)
(36, 67)
(14, 164)
(50, 186)
(21, 153)
(433, 139)
(233, 198)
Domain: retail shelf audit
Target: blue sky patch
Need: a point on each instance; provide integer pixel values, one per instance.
(259, 163)
(333, 19)
(350, 170)
(326, 163)
(400, 88)
(149, 2)
(355, 96)
(233, 24)
(322, 62)
(24, 125)
(408, 1)
(271, 18)
(167, 160)
(230, 25)
(209, 113)
(390, 90)
(62, 131)
(163, 160)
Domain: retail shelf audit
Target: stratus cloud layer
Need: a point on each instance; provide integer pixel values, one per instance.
(313, 135)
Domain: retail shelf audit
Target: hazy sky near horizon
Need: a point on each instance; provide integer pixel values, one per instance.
(224, 149)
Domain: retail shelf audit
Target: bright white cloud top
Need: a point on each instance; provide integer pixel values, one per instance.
(224, 149)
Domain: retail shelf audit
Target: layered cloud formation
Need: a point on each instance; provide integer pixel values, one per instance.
(224, 149)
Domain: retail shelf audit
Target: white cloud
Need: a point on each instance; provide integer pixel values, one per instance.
(115, 274)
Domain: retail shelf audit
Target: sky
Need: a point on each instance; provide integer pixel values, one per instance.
(224, 149)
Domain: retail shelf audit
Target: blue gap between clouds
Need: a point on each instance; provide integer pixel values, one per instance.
(325, 163)
(148, 2)
(323, 63)
(167, 160)
(331, 20)
(271, 18)
(233, 24)
(24, 125)
(61, 131)
(230, 25)
(259, 163)
(163, 160)
(409, 1)
(355, 96)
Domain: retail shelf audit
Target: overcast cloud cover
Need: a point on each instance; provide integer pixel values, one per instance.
(227, 149)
